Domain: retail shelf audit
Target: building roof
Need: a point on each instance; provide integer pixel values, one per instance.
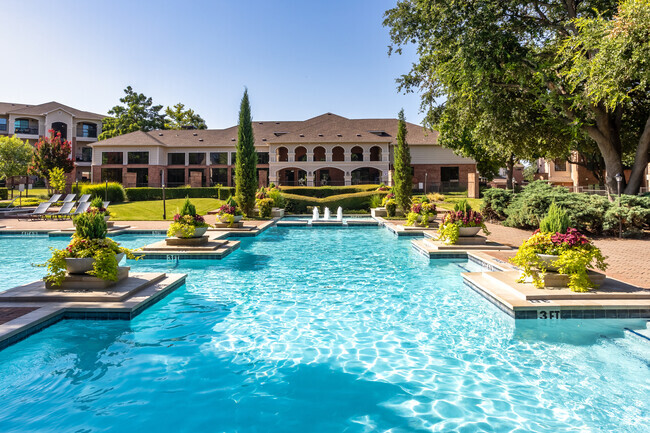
(43, 109)
(326, 128)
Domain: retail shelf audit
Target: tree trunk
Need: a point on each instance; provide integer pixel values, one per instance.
(640, 161)
(510, 169)
(607, 137)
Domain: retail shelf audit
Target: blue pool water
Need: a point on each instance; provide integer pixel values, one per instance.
(322, 330)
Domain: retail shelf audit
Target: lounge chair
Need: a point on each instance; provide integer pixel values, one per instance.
(69, 198)
(84, 198)
(38, 213)
(105, 204)
(65, 210)
(83, 207)
(55, 198)
(10, 207)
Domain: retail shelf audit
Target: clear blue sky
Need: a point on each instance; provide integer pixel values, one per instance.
(298, 59)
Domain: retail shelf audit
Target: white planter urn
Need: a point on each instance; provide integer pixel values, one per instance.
(81, 266)
(224, 219)
(107, 217)
(198, 232)
(430, 219)
(468, 231)
(548, 260)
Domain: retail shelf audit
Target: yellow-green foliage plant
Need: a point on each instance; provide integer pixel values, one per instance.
(88, 241)
(186, 221)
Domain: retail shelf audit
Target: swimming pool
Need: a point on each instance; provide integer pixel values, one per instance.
(304, 330)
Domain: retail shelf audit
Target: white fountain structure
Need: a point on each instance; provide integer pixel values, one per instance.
(327, 216)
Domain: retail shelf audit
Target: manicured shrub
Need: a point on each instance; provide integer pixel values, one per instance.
(326, 191)
(142, 194)
(495, 203)
(375, 201)
(355, 201)
(633, 220)
(391, 208)
(555, 221)
(435, 196)
(116, 193)
(4, 193)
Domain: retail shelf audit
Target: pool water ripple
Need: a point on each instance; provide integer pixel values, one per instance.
(324, 330)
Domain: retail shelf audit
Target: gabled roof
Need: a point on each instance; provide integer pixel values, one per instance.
(43, 109)
(326, 128)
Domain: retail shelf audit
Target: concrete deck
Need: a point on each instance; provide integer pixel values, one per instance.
(28, 309)
(432, 247)
(613, 299)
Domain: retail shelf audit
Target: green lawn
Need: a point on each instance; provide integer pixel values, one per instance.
(153, 210)
(451, 200)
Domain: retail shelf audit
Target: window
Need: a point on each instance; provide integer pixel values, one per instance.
(86, 155)
(262, 157)
(301, 154)
(112, 175)
(138, 157)
(22, 127)
(176, 176)
(219, 176)
(87, 130)
(142, 176)
(196, 158)
(219, 158)
(3, 124)
(560, 165)
(112, 158)
(233, 158)
(175, 159)
(449, 174)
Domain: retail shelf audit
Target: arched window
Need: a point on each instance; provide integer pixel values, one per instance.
(338, 154)
(301, 153)
(375, 153)
(60, 127)
(319, 154)
(357, 153)
(282, 154)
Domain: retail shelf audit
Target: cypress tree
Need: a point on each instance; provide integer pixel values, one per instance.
(246, 165)
(402, 177)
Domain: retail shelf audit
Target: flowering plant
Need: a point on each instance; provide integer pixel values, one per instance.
(228, 211)
(88, 241)
(97, 205)
(452, 222)
(382, 187)
(421, 212)
(389, 196)
(186, 221)
(261, 194)
(575, 254)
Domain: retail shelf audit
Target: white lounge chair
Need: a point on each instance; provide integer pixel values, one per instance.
(69, 198)
(84, 198)
(55, 198)
(83, 207)
(65, 210)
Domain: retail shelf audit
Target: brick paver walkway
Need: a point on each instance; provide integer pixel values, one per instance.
(7, 314)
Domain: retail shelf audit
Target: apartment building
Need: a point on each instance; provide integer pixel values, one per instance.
(31, 122)
(324, 150)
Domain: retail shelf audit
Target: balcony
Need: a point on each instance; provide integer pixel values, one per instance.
(84, 158)
(27, 131)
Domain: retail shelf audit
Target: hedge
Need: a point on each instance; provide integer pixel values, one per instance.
(354, 201)
(116, 193)
(495, 203)
(142, 194)
(4, 193)
(326, 191)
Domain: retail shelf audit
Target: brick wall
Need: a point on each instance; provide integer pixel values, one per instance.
(432, 172)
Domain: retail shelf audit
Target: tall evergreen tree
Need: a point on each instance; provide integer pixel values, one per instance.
(402, 178)
(246, 165)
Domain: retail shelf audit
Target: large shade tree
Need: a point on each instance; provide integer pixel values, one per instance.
(246, 165)
(137, 113)
(15, 157)
(552, 57)
(177, 117)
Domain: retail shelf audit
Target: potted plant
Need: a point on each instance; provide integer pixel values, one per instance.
(230, 213)
(461, 222)
(387, 197)
(187, 223)
(97, 205)
(557, 247)
(89, 252)
(422, 213)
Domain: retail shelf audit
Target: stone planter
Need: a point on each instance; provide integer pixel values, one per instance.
(430, 219)
(378, 212)
(468, 231)
(548, 259)
(81, 266)
(224, 219)
(198, 232)
(277, 212)
(107, 217)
